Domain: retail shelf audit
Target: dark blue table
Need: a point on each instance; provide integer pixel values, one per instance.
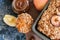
(6, 32)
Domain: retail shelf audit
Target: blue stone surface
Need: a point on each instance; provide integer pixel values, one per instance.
(6, 32)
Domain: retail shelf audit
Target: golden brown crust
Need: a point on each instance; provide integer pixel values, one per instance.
(24, 22)
(45, 25)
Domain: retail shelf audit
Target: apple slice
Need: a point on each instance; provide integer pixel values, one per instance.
(39, 4)
(10, 20)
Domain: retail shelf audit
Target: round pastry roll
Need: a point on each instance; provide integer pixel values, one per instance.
(20, 6)
(24, 23)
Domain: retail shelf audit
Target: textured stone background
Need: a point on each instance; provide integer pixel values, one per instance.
(6, 32)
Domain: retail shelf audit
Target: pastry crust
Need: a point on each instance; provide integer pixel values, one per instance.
(45, 26)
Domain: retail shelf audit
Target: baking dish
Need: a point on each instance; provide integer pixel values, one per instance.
(34, 26)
